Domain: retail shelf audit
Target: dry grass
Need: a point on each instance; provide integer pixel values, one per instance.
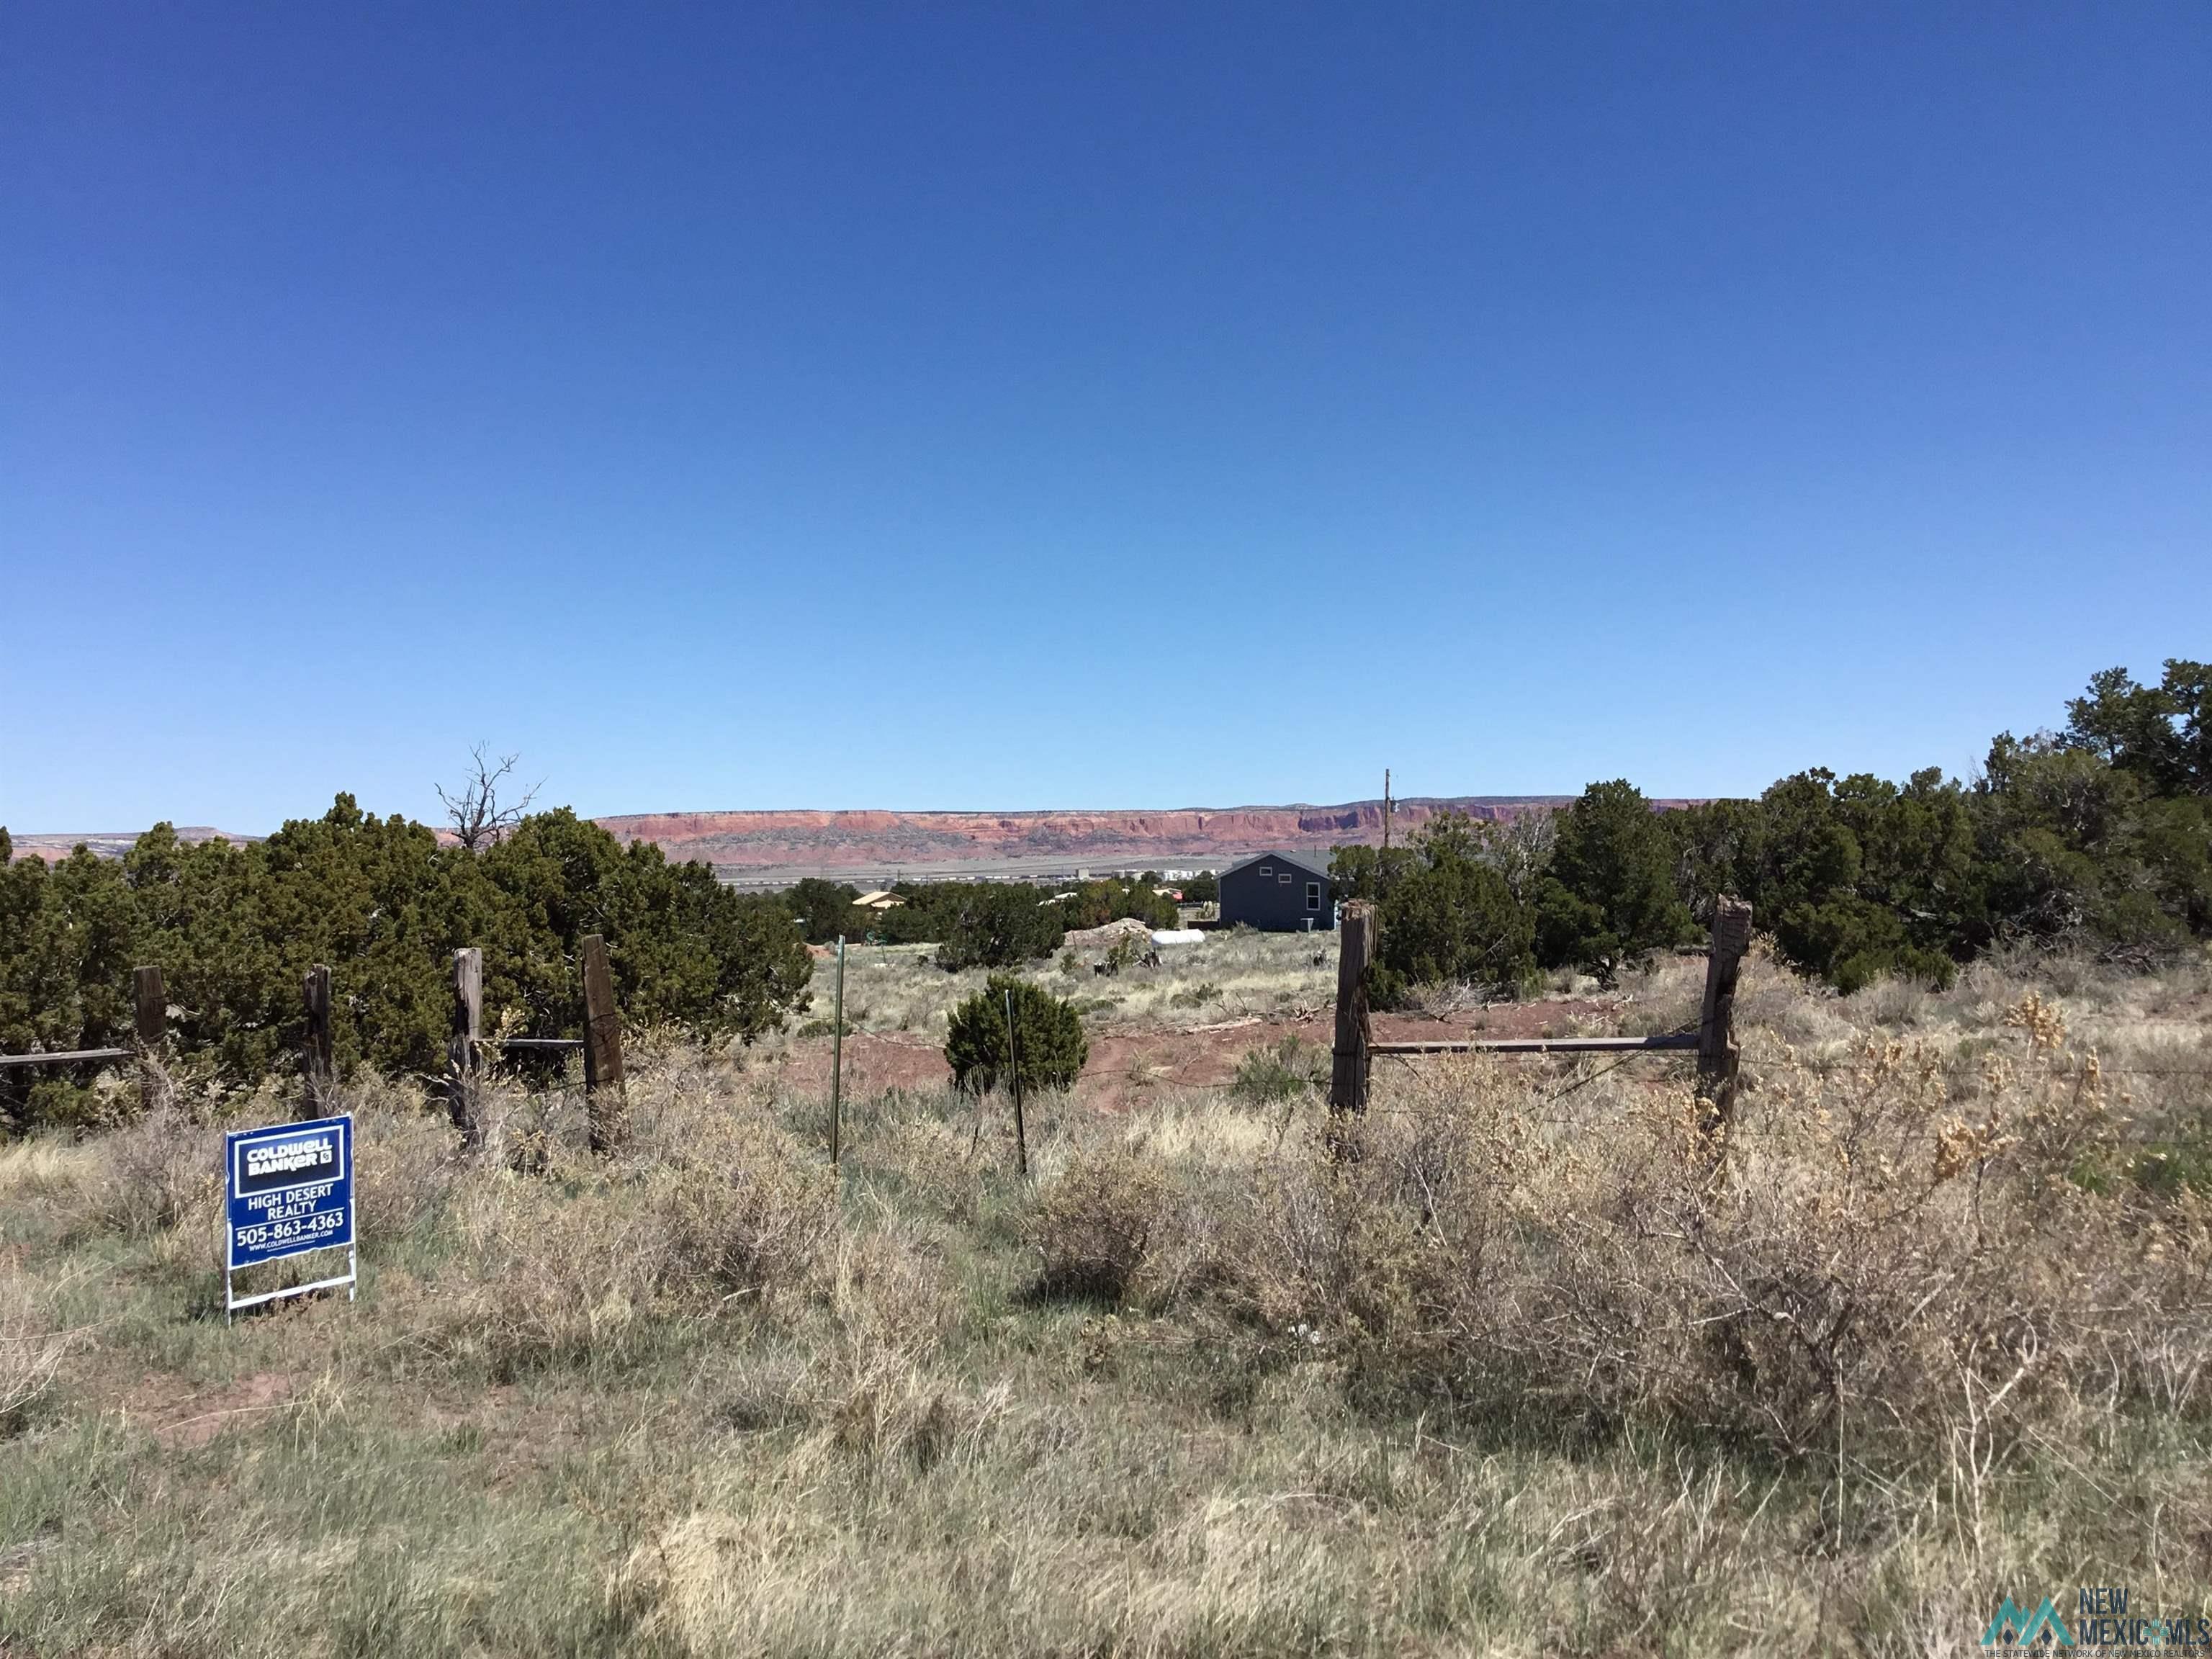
(31, 1349)
(155, 1174)
(1232, 974)
(1533, 1373)
(1098, 1220)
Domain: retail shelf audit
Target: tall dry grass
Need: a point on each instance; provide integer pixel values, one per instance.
(31, 1349)
(1538, 1369)
(1890, 1265)
(1234, 974)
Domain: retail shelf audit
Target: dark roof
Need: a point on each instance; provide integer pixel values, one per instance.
(1317, 871)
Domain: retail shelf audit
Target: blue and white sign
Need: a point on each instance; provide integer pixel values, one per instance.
(288, 1189)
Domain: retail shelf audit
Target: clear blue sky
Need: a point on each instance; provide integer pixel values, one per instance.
(735, 406)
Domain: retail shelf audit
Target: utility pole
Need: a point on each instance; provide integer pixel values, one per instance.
(1382, 861)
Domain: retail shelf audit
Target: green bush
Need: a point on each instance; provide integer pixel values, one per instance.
(69, 937)
(1095, 903)
(1280, 1072)
(1607, 898)
(235, 930)
(1050, 1032)
(686, 950)
(2162, 734)
(998, 925)
(1447, 916)
(2099, 835)
(823, 911)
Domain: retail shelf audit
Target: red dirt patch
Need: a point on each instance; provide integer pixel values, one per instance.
(873, 1063)
(198, 1418)
(1128, 1060)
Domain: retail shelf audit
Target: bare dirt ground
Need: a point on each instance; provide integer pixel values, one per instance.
(1128, 1060)
(1184, 1023)
(194, 1420)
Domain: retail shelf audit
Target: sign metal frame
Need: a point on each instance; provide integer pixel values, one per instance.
(308, 1177)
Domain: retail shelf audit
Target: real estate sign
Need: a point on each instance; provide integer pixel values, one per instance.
(287, 1190)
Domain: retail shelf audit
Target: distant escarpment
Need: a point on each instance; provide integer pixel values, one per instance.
(1180, 836)
(764, 848)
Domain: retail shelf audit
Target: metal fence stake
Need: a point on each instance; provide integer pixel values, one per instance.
(1014, 1070)
(837, 1058)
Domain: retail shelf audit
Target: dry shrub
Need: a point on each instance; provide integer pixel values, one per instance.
(1772, 1000)
(758, 1387)
(1294, 1249)
(554, 1279)
(859, 1376)
(369, 1093)
(889, 1287)
(1889, 1259)
(1286, 1069)
(777, 1579)
(152, 1174)
(1892, 1001)
(939, 1165)
(891, 1303)
(1096, 1225)
(1650, 1560)
(44, 1169)
(891, 1411)
(688, 1589)
(577, 1265)
(534, 1131)
(748, 1212)
(1408, 1262)
(31, 1350)
(406, 1165)
(166, 1170)
(1849, 1257)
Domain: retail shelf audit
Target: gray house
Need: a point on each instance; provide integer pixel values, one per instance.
(1277, 893)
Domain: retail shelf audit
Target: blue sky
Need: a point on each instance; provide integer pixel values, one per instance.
(1056, 405)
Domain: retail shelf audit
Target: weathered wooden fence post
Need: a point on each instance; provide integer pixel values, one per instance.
(150, 1021)
(606, 1102)
(463, 1102)
(318, 1051)
(1717, 1045)
(1355, 947)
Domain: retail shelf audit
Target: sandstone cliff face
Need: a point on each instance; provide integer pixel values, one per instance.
(766, 843)
(764, 840)
(109, 844)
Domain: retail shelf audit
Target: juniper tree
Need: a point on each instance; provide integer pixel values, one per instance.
(1053, 1046)
(1607, 898)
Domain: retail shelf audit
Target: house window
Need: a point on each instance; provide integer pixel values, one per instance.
(1313, 895)
(1285, 878)
(1267, 869)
